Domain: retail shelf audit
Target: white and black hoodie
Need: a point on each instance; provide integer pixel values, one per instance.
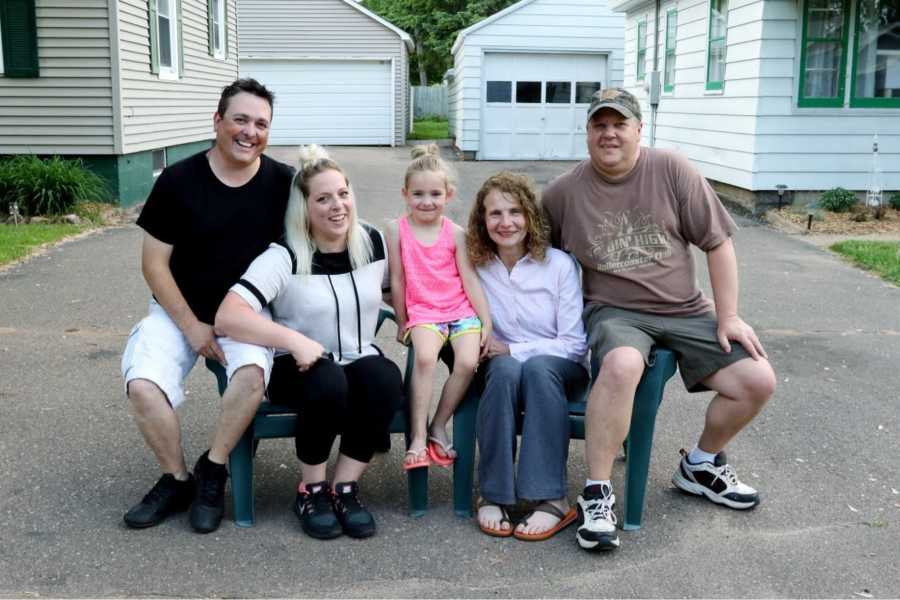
(335, 305)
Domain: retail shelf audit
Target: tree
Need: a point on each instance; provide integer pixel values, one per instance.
(433, 25)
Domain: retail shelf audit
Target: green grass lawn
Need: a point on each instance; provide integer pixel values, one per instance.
(882, 258)
(21, 240)
(429, 129)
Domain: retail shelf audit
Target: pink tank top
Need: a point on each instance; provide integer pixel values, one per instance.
(434, 289)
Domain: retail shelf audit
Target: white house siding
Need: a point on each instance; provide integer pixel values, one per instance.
(327, 29)
(813, 148)
(158, 112)
(752, 134)
(542, 26)
(68, 108)
(715, 129)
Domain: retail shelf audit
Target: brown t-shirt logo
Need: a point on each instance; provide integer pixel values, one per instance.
(628, 240)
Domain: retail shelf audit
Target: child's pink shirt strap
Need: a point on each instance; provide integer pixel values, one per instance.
(434, 289)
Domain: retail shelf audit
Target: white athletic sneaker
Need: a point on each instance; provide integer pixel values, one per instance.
(718, 482)
(596, 519)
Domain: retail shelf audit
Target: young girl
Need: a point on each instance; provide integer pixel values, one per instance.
(437, 298)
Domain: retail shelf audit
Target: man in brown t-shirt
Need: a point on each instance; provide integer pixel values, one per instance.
(630, 215)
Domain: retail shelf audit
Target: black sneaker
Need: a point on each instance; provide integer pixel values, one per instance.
(167, 497)
(209, 500)
(313, 507)
(355, 519)
(596, 519)
(717, 482)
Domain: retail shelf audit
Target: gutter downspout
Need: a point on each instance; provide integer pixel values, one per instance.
(654, 77)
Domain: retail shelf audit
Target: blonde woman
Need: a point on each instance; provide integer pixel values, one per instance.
(324, 285)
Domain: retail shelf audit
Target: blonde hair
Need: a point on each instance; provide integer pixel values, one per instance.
(479, 245)
(313, 161)
(428, 158)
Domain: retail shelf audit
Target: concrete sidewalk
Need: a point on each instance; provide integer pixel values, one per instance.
(824, 453)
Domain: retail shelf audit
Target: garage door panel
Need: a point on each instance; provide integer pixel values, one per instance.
(328, 102)
(552, 128)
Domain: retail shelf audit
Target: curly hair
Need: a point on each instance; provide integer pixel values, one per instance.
(479, 245)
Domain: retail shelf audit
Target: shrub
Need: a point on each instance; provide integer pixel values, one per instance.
(894, 201)
(48, 187)
(837, 200)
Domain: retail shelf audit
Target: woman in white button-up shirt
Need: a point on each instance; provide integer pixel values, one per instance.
(536, 359)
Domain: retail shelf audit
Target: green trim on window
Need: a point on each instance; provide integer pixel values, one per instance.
(640, 67)
(154, 36)
(864, 102)
(671, 26)
(820, 101)
(715, 84)
(19, 33)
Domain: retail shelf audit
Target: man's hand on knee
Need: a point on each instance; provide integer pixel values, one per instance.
(734, 328)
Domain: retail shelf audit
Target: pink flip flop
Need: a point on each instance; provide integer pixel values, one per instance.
(418, 463)
(443, 460)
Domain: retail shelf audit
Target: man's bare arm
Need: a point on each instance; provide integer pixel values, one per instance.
(155, 256)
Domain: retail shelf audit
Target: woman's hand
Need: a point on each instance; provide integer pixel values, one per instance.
(493, 347)
(306, 352)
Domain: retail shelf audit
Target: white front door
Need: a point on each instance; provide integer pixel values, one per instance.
(337, 102)
(534, 105)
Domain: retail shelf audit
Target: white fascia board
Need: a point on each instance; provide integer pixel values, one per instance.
(627, 5)
(486, 21)
(403, 35)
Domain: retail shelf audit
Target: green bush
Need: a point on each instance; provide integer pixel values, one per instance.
(48, 187)
(894, 201)
(837, 200)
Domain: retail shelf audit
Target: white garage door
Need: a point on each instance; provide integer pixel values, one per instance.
(328, 102)
(535, 104)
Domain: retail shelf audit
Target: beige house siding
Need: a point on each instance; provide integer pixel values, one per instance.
(69, 108)
(157, 112)
(302, 29)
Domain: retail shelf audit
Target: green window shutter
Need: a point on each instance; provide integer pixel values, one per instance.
(180, 27)
(20, 51)
(154, 37)
(210, 27)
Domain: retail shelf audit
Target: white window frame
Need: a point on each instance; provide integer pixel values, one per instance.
(171, 71)
(220, 25)
(165, 161)
(1, 51)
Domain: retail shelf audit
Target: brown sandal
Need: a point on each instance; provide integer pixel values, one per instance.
(565, 519)
(504, 519)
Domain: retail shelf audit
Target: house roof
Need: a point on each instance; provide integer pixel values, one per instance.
(626, 5)
(403, 35)
(487, 21)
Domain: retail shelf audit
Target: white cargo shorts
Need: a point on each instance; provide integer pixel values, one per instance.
(157, 351)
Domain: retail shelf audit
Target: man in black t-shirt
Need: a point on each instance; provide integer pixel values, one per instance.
(206, 219)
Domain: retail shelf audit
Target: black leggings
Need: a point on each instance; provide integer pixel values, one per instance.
(356, 401)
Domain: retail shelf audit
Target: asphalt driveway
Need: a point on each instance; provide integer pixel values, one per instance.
(824, 453)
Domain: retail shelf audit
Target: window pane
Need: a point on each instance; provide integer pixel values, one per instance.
(159, 160)
(165, 42)
(559, 92)
(878, 57)
(825, 19)
(528, 92)
(823, 61)
(716, 61)
(642, 36)
(162, 8)
(718, 15)
(499, 91)
(585, 89)
(671, 28)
